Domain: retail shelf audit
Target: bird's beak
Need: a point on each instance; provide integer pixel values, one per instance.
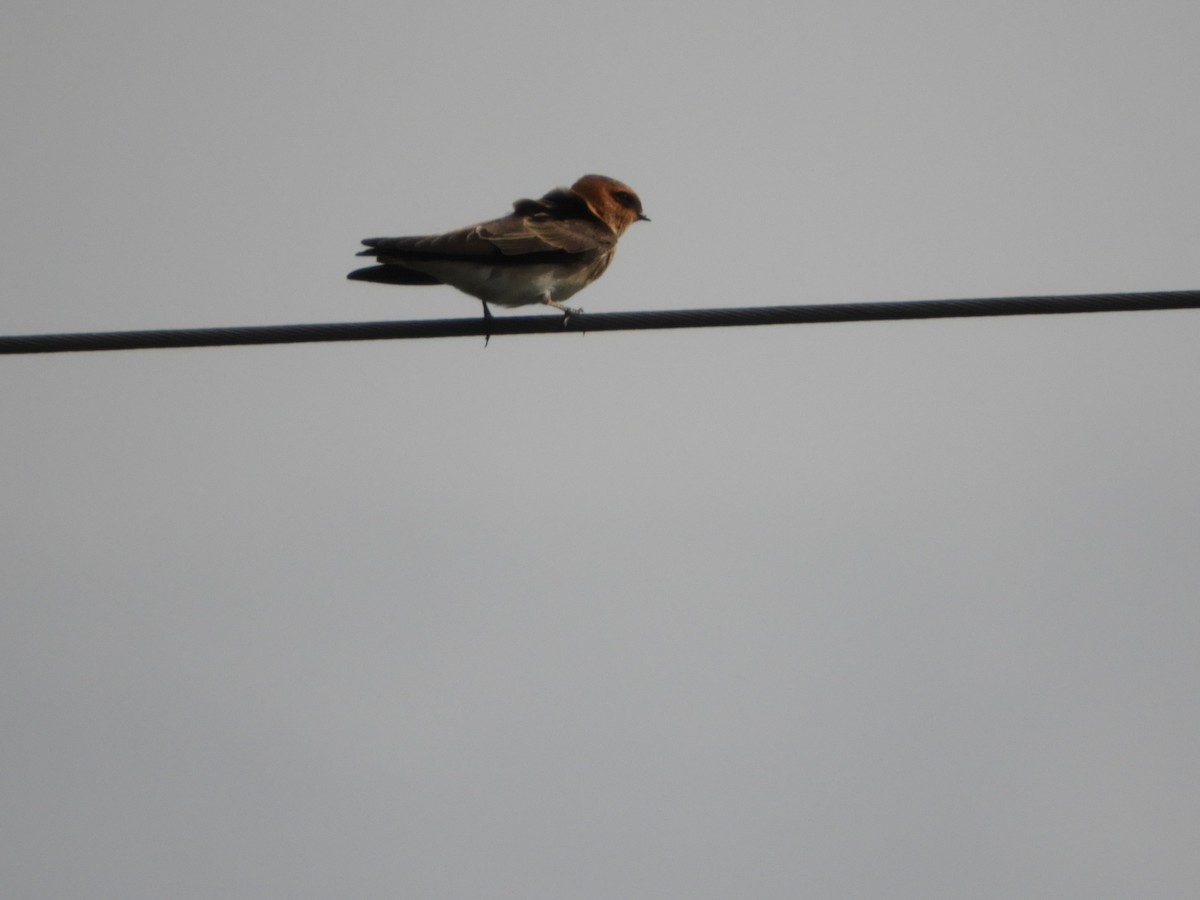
(643, 218)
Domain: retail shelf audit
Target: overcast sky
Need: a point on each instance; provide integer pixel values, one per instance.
(894, 610)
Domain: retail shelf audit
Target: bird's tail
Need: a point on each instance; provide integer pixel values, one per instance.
(391, 274)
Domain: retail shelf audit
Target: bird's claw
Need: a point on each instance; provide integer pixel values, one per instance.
(487, 324)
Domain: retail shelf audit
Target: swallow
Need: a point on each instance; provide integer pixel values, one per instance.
(544, 251)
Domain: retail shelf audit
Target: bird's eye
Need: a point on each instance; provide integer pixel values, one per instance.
(626, 199)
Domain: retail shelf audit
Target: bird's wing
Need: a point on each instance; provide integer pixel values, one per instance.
(541, 233)
(550, 229)
(461, 244)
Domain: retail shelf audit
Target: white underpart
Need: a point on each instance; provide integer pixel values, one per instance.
(514, 285)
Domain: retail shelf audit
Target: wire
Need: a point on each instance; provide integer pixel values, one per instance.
(618, 321)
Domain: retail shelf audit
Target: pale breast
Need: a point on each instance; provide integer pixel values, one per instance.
(515, 284)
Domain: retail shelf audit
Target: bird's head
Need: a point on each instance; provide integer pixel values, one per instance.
(613, 203)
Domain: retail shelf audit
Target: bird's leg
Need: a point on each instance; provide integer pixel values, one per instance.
(487, 323)
(567, 311)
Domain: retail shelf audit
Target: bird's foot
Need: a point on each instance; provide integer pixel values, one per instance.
(567, 311)
(487, 323)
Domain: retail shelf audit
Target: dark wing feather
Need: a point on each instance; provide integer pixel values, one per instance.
(514, 238)
(552, 229)
(461, 244)
(545, 233)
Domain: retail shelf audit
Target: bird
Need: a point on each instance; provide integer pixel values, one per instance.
(545, 251)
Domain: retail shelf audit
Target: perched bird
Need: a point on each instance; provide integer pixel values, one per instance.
(544, 251)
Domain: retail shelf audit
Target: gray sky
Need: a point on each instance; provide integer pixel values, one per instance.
(879, 610)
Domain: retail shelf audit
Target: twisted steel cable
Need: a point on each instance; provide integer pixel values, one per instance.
(594, 322)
